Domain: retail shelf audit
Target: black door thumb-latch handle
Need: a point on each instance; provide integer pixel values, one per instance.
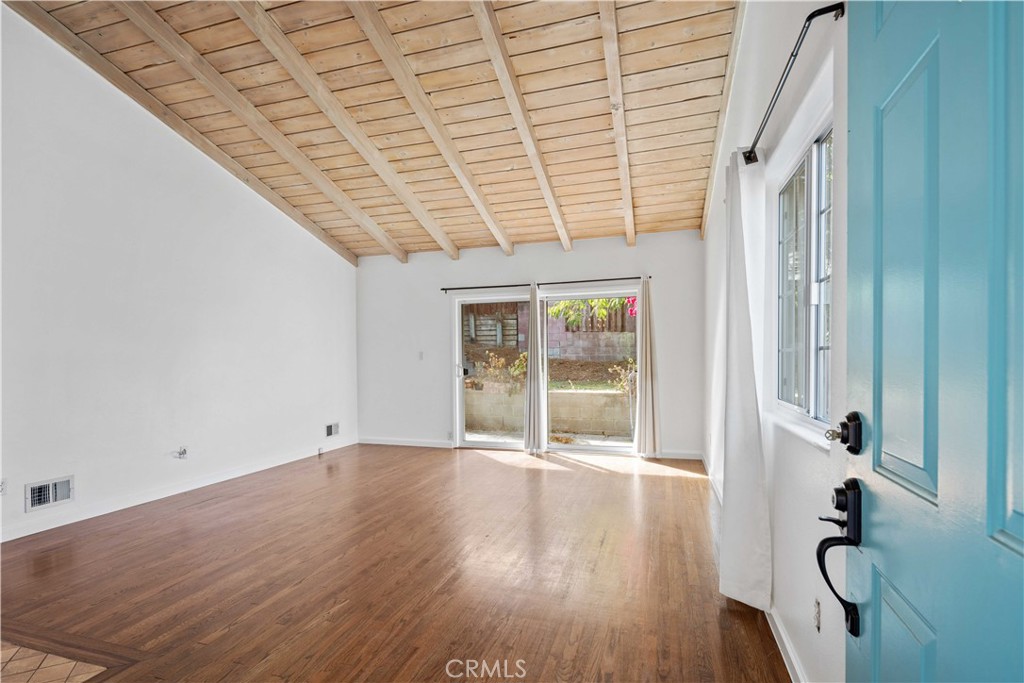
(841, 523)
(852, 613)
(845, 499)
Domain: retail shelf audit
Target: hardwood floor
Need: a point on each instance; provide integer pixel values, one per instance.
(384, 563)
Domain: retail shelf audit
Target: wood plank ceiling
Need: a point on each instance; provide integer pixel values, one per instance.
(402, 127)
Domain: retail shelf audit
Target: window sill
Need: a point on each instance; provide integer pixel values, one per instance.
(804, 428)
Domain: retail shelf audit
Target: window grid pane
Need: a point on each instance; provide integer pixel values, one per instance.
(793, 262)
(823, 261)
(805, 283)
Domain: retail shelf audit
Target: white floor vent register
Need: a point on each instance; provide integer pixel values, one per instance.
(49, 493)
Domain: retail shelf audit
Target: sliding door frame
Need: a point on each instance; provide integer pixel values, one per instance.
(459, 440)
(545, 294)
(553, 293)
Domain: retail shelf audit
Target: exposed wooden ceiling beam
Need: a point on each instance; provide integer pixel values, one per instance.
(146, 19)
(387, 48)
(610, 36)
(42, 20)
(274, 39)
(494, 41)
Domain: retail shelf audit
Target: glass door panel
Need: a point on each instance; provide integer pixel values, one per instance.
(493, 366)
(591, 372)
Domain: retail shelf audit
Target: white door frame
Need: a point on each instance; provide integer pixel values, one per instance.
(562, 292)
(459, 427)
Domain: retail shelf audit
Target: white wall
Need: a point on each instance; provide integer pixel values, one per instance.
(150, 301)
(802, 470)
(404, 398)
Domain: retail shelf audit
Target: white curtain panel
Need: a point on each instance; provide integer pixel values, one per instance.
(647, 423)
(535, 394)
(714, 352)
(745, 543)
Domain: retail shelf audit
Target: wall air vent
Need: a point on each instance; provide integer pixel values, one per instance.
(49, 493)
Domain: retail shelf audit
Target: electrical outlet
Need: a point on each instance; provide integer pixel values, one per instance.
(817, 615)
(449, 436)
(3, 486)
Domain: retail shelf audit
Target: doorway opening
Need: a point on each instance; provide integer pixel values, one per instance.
(591, 353)
(588, 370)
(491, 372)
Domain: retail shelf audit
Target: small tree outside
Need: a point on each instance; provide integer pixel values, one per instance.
(575, 311)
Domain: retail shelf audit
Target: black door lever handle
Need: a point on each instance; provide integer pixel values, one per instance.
(849, 608)
(845, 499)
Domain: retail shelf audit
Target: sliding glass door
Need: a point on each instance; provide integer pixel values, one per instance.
(591, 373)
(588, 369)
(492, 371)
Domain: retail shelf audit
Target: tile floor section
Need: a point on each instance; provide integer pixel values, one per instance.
(23, 665)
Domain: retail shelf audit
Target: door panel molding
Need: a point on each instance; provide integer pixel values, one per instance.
(1006, 285)
(903, 638)
(906, 176)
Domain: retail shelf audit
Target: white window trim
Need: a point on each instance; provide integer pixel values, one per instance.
(810, 122)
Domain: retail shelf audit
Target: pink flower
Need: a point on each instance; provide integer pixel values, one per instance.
(631, 306)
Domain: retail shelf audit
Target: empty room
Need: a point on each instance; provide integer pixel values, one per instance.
(511, 340)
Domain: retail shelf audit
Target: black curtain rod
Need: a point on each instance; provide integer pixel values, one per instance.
(542, 284)
(838, 10)
(459, 289)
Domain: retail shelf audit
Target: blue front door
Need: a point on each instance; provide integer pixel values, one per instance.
(936, 245)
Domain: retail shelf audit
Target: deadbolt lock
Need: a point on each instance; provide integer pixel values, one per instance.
(849, 433)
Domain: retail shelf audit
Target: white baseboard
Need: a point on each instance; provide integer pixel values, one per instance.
(793, 666)
(679, 455)
(714, 486)
(78, 511)
(389, 441)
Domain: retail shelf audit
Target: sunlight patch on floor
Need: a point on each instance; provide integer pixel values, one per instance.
(616, 463)
(520, 459)
(631, 464)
